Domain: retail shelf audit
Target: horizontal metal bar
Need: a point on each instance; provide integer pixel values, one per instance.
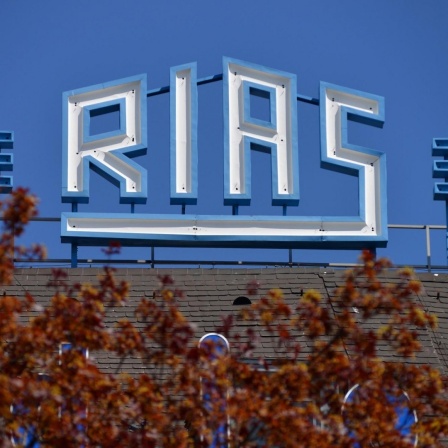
(406, 226)
(416, 226)
(344, 265)
(199, 82)
(213, 264)
(308, 99)
(209, 79)
(43, 219)
(219, 77)
(165, 262)
(158, 91)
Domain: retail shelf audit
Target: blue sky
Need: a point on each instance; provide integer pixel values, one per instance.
(396, 49)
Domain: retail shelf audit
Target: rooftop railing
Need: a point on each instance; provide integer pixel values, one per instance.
(152, 261)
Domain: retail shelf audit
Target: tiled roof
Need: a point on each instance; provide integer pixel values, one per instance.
(209, 295)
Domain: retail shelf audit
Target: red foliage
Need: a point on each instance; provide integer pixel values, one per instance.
(62, 399)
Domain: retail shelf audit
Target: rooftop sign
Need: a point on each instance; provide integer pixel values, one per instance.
(110, 154)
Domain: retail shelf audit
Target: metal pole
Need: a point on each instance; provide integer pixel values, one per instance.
(446, 209)
(428, 247)
(74, 258)
(74, 248)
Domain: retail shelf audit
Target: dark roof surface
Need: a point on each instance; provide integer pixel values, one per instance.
(210, 293)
